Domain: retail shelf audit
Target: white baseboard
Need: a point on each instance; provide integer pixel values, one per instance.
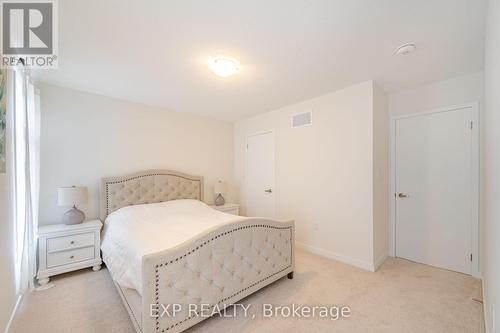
(13, 314)
(339, 257)
(379, 261)
(486, 315)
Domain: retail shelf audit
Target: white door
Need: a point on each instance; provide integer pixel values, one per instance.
(433, 182)
(260, 175)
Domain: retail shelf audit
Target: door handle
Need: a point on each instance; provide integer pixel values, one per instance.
(268, 190)
(403, 195)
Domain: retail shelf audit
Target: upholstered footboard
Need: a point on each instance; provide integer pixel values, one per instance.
(214, 270)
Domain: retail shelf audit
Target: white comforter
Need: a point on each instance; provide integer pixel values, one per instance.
(134, 231)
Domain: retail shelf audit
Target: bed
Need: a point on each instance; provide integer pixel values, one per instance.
(163, 247)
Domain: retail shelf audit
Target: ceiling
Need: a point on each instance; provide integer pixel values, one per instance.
(155, 52)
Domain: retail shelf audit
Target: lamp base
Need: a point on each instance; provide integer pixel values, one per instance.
(219, 201)
(73, 216)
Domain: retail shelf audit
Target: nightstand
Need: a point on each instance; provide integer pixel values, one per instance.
(229, 208)
(63, 248)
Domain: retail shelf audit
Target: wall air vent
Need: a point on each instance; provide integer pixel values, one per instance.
(302, 119)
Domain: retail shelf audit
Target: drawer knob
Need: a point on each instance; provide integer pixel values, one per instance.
(72, 257)
(72, 242)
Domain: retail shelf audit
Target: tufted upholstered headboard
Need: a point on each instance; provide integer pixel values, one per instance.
(147, 187)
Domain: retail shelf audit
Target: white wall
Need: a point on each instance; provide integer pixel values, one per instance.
(8, 294)
(85, 137)
(491, 170)
(380, 175)
(455, 91)
(324, 172)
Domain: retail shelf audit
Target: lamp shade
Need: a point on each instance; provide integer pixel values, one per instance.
(71, 196)
(220, 187)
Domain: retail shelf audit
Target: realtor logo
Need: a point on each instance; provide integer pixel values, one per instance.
(29, 33)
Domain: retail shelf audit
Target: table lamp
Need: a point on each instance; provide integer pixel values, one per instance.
(72, 196)
(219, 188)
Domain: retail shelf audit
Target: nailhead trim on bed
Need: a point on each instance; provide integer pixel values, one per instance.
(157, 275)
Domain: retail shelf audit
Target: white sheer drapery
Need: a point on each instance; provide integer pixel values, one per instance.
(26, 111)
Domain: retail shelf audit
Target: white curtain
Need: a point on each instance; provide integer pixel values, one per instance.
(26, 127)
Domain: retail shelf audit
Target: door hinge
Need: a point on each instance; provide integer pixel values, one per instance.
(471, 257)
(471, 124)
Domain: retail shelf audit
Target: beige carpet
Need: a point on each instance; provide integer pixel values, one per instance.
(401, 297)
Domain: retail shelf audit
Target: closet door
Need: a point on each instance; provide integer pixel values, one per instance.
(260, 197)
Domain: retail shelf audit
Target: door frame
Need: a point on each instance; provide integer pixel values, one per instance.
(475, 150)
(270, 131)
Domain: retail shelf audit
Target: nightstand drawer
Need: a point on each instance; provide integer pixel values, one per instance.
(229, 208)
(70, 242)
(233, 210)
(68, 257)
(64, 248)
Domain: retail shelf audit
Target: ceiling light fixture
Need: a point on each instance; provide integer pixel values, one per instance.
(406, 49)
(224, 66)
